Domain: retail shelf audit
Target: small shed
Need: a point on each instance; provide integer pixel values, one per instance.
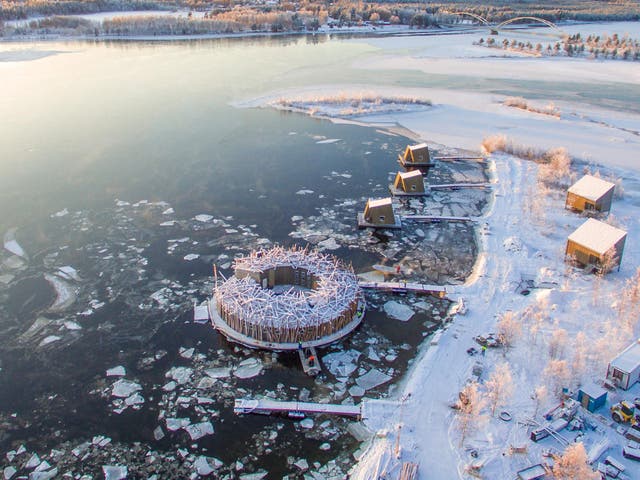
(534, 472)
(590, 194)
(597, 244)
(592, 396)
(379, 214)
(624, 370)
(408, 183)
(416, 156)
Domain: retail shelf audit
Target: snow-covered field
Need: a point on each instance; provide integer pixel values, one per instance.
(523, 234)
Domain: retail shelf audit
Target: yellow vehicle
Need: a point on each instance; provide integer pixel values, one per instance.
(625, 412)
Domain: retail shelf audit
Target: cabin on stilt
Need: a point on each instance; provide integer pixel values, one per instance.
(408, 184)
(416, 156)
(379, 214)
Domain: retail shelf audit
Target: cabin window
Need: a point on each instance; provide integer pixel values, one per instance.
(617, 374)
(593, 259)
(381, 218)
(413, 187)
(589, 206)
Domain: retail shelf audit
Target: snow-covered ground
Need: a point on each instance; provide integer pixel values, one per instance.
(522, 234)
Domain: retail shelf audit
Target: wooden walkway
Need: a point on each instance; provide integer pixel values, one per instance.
(437, 218)
(405, 287)
(266, 406)
(454, 158)
(455, 186)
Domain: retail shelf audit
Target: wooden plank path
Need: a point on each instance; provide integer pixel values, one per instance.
(437, 218)
(266, 406)
(454, 186)
(405, 287)
(454, 157)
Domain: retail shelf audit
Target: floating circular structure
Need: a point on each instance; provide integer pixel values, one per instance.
(279, 298)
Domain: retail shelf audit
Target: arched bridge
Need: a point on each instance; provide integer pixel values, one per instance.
(484, 21)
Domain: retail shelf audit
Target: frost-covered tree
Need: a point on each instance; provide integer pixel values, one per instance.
(508, 328)
(556, 375)
(499, 387)
(470, 404)
(579, 358)
(572, 464)
(558, 343)
(539, 396)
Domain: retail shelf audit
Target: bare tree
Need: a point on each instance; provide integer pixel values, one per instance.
(470, 404)
(557, 375)
(572, 464)
(499, 387)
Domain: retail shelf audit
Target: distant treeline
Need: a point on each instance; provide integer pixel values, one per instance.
(614, 47)
(232, 16)
(424, 14)
(23, 9)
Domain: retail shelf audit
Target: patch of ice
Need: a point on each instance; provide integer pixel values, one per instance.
(218, 372)
(118, 371)
(158, 433)
(302, 464)
(341, 364)
(304, 192)
(372, 379)
(135, 399)
(202, 466)
(328, 140)
(180, 374)
(204, 218)
(168, 211)
(43, 475)
(168, 223)
(398, 311)
(248, 368)
(174, 424)
(169, 386)
(48, 340)
(14, 247)
(124, 388)
(296, 218)
(259, 475)
(9, 472)
(191, 256)
(100, 440)
(62, 213)
(324, 447)
(71, 325)
(199, 430)
(114, 472)
(306, 423)
(186, 352)
(328, 244)
(356, 391)
(205, 383)
(33, 462)
(69, 273)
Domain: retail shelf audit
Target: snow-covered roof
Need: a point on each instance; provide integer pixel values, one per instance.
(629, 359)
(597, 236)
(381, 202)
(590, 187)
(419, 146)
(593, 390)
(411, 174)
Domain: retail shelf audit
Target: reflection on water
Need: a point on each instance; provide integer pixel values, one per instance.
(127, 176)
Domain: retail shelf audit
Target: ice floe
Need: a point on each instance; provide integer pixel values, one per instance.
(341, 364)
(198, 430)
(114, 472)
(124, 388)
(118, 371)
(180, 374)
(372, 379)
(398, 311)
(248, 368)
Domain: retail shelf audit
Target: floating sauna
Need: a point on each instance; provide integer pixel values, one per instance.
(408, 184)
(379, 214)
(281, 299)
(416, 156)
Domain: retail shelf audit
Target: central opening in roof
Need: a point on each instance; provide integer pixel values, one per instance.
(283, 278)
